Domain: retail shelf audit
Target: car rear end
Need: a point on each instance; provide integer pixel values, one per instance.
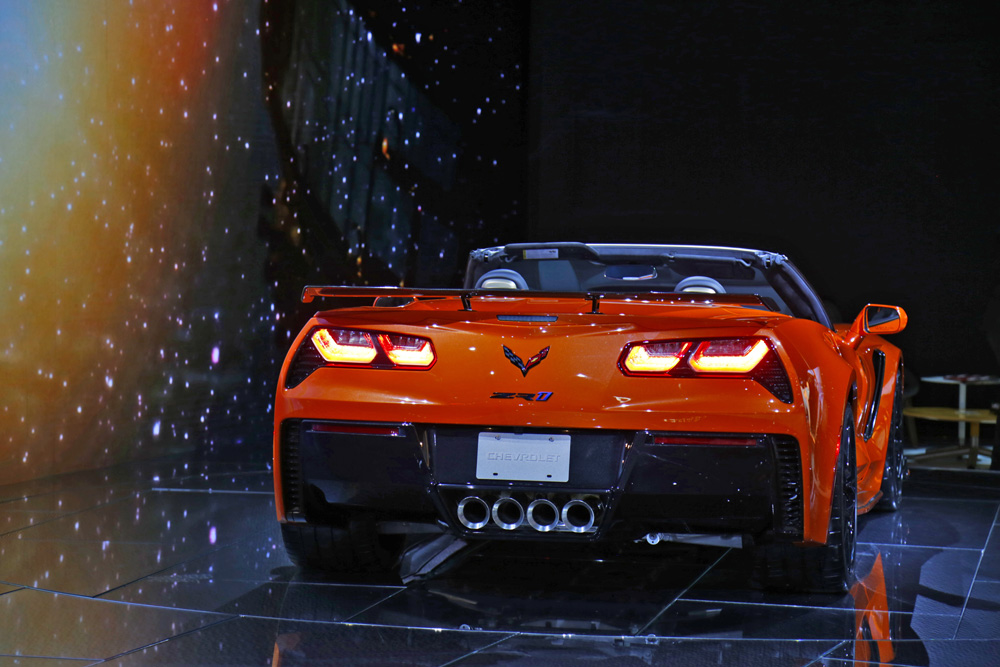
(540, 419)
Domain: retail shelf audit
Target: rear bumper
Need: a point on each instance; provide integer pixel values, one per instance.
(632, 485)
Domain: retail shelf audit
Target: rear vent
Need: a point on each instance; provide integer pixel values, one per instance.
(307, 359)
(772, 375)
(291, 470)
(788, 464)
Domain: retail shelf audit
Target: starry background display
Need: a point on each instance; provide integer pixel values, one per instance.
(173, 172)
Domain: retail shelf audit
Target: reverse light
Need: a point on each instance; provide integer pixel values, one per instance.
(729, 355)
(655, 357)
(344, 346)
(407, 350)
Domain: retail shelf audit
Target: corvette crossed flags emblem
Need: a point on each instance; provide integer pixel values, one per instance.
(525, 366)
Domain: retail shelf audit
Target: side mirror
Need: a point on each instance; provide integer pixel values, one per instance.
(877, 319)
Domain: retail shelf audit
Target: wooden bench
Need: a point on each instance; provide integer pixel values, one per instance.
(972, 417)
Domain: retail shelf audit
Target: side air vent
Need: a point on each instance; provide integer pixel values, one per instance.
(291, 470)
(878, 362)
(788, 464)
(307, 359)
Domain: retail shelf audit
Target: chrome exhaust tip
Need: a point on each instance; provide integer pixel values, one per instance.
(543, 515)
(508, 513)
(473, 512)
(578, 516)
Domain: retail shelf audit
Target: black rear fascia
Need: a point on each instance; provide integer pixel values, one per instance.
(423, 472)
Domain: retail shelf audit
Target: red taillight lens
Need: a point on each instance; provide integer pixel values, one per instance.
(349, 346)
(655, 357)
(751, 357)
(407, 350)
(728, 355)
(344, 346)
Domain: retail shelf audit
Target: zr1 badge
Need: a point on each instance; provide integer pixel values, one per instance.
(540, 397)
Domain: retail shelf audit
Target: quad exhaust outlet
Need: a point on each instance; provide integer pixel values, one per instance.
(578, 515)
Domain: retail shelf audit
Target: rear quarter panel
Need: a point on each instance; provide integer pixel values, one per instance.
(825, 379)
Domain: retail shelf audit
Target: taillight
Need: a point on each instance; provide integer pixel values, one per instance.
(407, 350)
(655, 357)
(344, 346)
(746, 357)
(728, 355)
(351, 347)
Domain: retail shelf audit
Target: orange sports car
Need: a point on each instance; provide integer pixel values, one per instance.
(592, 392)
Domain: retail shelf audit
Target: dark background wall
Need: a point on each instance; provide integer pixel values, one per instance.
(858, 138)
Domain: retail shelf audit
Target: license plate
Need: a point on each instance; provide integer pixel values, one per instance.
(523, 457)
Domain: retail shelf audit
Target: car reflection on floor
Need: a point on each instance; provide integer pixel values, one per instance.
(872, 633)
(181, 562)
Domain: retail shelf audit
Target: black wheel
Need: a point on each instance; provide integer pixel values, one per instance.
(895, 459)
(828, 568)
(356, 548)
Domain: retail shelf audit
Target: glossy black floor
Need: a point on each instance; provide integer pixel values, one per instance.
(179, 561)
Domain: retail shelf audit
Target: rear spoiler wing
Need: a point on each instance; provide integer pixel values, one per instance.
(311, 292)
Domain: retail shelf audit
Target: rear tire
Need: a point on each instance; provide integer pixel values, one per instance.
(358, 548)
(828, 568)
(895, 459)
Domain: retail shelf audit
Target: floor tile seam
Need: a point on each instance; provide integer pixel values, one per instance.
(10, 512)
(257, 534)
(331, 587)
(373, 605)
(827, 654)
(920, 546)
(72, 489)
(165, 569)
(237, 473)
(849, 610)
(968, 640)
(115, 542)
(479, 650)
(333, 584)
(764, 604)
(678, 638)
(16, 499)
(21, 656)
(683, 592)
(975, 574)
(212, 492)
(168, 639)
(98, 598)
(130, 467)
(382, 626)
(63, 516)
